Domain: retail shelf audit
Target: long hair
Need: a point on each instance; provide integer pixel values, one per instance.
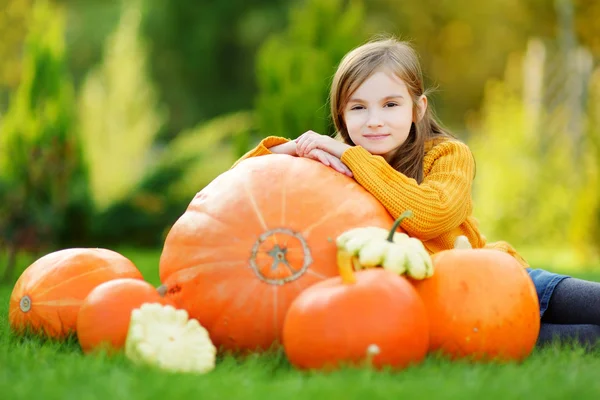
(401, 59)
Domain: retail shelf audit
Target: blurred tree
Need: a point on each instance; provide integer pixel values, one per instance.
(463, 43)
(183, 167)
(538, 182)
(89, 24)
(294, 68)
(587, 15)
(202, 55)
(14, 18)
(42, 177)
(592, 200)
(141, 185)
(119, 114)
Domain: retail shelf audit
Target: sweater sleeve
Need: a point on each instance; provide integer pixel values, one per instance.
(440, 203)
(262, 148)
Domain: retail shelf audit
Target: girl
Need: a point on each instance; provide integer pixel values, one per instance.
(390, 142)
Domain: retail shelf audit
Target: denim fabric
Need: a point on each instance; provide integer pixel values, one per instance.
(545, 282)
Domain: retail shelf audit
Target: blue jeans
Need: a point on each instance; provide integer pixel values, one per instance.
(545, 282)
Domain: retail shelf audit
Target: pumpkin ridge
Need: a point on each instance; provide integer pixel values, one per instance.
(99, 269)
(30, 285)
(45, 313)
(275, 310)
(203, 258)
(317, 274)
(227, 230)
(185, 275)
(58, 302)
(15, 313)
(50, 327)
(235, 243)
(283, 198)
(326, 216)
(65, 257)
(240, 301)
(258, 213)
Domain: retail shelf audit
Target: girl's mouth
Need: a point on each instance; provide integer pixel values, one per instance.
(376, 137)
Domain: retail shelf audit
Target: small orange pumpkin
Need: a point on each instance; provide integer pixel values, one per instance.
(254, 238)
(481, 304)
(103, 319)
(372, 316)
(47, 296)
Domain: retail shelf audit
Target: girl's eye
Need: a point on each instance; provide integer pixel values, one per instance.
(391, 104)
(357, 107)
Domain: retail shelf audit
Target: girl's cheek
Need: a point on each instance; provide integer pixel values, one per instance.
(353, 121)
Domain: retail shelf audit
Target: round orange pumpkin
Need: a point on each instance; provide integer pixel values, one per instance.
(254, 238)
(373, 316)
(481, 304)
(104, 316)
(47, 296)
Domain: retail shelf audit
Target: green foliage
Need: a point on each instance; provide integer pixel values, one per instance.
(140, 185)
(119, 114)
(42, 177)
(14, 15)
(591, 197)
(208, 150)
(294, 68)
(183, 168)
(202, 57)
(536, 183)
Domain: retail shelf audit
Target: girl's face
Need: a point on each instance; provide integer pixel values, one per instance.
(379, 113)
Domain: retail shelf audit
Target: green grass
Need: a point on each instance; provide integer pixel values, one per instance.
(31, 368)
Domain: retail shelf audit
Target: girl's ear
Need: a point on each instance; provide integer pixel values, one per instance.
(421, 107)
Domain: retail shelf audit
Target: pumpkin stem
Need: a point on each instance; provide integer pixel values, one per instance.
(405, 214)
(162, 290)
(344, 261)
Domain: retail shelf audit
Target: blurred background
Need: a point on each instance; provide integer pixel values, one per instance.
(113, 114)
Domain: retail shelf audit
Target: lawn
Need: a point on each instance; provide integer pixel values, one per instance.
(32, 369)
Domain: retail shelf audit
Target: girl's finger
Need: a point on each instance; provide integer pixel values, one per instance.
(322, 156)
(310, 146)
(344, 167)
(347, 171)
(341, 167)
(301, 147)
(299, 142)
(334, 163)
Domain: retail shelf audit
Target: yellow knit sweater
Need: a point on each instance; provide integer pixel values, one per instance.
(441, 204)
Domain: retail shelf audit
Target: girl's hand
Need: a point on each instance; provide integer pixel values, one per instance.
(288, 148)
(329, 160)
(310, 141)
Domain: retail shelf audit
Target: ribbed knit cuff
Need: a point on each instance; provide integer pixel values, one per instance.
(263, 147)
(357, 157)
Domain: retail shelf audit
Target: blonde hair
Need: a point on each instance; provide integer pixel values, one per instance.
(401, 59)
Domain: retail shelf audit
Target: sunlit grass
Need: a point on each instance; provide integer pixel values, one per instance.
(32, 368)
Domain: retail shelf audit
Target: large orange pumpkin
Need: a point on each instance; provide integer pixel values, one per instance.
(372, 317)
(48, 294)
(254, 238)
(481, 304)
(104, 316)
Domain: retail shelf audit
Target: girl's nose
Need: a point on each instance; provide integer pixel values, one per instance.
(374, 120)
